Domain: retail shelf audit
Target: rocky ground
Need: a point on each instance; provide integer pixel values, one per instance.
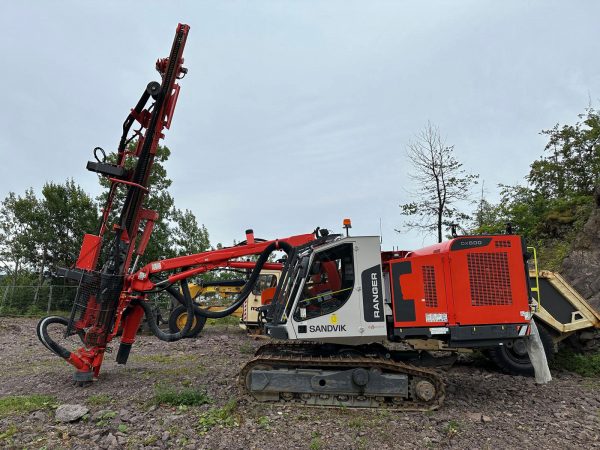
(483, 408)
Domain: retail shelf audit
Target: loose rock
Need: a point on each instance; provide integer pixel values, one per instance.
(70, 413)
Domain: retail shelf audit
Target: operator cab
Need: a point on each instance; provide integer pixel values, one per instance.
(329, 283)
(330, 291)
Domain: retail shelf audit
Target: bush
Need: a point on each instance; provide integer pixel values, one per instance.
(587, 365)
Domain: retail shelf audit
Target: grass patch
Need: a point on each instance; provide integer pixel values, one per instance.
(151, 439)
(162, 359)
(9, 432)
(106, 418)
(247, 349)
(16, 404)
(225, 417)
(187, 396)
(98, 400)
(174, 430)
(384, 413)
(228, 320)
(32, 312)
(552, 254)
(356, 422)
(263, 422)
(361, 443)
(452, 428)
(316, 443)
(587, 365)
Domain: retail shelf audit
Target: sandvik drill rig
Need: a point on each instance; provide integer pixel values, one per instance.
(338, 309)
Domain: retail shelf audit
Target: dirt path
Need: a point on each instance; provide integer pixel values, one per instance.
(483, 408)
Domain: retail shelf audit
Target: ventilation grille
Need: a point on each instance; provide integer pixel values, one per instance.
(429, 287)
(503, 244)
(489, 279)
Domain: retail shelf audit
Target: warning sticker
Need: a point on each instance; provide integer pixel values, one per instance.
(436, 317)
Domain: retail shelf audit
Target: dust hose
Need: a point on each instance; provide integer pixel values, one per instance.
(44, 337)
(243, 295)
(186, 300)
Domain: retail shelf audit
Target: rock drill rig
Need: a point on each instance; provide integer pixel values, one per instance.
(102, 306)
(336, 313)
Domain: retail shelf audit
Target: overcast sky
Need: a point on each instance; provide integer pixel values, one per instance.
(295, 114)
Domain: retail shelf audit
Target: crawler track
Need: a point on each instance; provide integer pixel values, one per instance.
(292, 363)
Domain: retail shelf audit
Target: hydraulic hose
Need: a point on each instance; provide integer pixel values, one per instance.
(243, 295)
(186, 300)
(44, 337)
(50, 344)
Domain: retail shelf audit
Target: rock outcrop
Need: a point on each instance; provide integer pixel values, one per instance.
(581, 268)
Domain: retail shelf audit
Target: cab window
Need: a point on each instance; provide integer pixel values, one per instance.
(264, 281)
(328, 284)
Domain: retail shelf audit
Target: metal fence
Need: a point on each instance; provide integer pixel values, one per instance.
(33, 301)
(36, 300)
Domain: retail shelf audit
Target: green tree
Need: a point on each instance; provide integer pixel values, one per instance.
(487, 219)
(187, 236)
(557, 199)
(19, 218)
(175, 232)
(37, 234)
(560, 185)
(67, 212)
(571, 166)
(440, 184)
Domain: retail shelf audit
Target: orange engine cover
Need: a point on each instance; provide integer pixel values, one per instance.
(470, 280)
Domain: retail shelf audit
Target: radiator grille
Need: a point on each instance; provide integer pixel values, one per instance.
(503, 244)
(429, 286)
(489, 279)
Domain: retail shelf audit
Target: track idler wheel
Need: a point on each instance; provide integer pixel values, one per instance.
(424, 390)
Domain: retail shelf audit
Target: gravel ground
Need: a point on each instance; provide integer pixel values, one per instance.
(483, 408)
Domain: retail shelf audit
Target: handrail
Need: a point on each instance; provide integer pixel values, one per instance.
(535, 289)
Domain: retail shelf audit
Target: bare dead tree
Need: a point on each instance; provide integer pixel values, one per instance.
(439, 183)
